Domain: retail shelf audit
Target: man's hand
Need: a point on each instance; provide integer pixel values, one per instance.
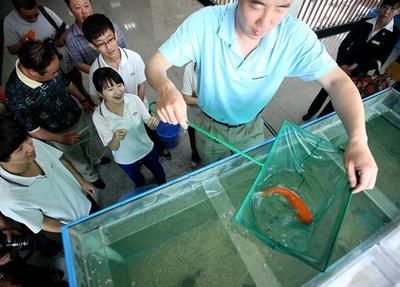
(171, 107)
(69, 139)
(88, 187)
(359, 163)
(6, 258)
(360, 166)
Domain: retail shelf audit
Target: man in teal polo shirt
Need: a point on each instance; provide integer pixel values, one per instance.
(243, 52)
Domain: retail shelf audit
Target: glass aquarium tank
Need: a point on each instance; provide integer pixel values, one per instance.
(182, 233)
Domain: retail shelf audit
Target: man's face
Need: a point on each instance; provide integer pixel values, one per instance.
(24, 153)
(107, 44)
(255, 18)
(387, 12)
(81, 9)
(30, 16)
(50, 72)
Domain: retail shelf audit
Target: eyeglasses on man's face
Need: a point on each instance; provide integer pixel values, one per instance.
(102, 45)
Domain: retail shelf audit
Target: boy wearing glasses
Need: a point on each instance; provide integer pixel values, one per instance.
(81, 52)
(101, 34)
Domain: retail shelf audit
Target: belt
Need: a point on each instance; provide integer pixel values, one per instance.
(224, 124)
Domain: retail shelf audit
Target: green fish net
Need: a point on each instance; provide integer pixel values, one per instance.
(298, 201)
(310, 171)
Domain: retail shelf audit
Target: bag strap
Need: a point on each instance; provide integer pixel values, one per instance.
(49, 18)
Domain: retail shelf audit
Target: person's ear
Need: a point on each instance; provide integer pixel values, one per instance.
(32, 73)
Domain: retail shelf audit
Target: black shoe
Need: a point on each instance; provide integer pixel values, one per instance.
(165, 153)
(105, 160)
(99, 183)
(306, 117)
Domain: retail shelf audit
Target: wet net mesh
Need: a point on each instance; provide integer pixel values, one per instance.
(298, 201)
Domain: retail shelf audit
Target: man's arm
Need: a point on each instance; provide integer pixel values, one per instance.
(43, 134)
(83, 68)
(13, 49)
(88, 107)
(51, 225)
(347, 102)
(141, 91)
(348, 41)
(171, 106)
(86, 186)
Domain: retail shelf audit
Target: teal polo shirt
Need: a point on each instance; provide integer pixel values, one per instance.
(233, 89)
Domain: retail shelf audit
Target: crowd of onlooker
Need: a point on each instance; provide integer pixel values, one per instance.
(49, 120)
(47, 176)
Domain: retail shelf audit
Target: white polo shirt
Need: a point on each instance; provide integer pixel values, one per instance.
(56, 194)
(136, 143)
(189, 86)
(131, 70)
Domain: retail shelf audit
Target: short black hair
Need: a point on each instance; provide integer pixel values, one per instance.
(12, 135)
(104, 77)
(69, 1)
(37, 55)
(390, 2)
(96, 25)
(24, 4)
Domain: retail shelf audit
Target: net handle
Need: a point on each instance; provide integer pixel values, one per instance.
(224, 143)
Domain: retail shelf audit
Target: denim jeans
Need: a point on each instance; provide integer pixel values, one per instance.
(151, 161)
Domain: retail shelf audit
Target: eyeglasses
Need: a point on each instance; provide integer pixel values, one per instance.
(104, 44)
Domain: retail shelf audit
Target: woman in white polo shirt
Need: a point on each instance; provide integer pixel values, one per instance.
(119, 120)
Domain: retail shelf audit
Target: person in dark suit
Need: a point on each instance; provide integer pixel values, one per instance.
(364, 50)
